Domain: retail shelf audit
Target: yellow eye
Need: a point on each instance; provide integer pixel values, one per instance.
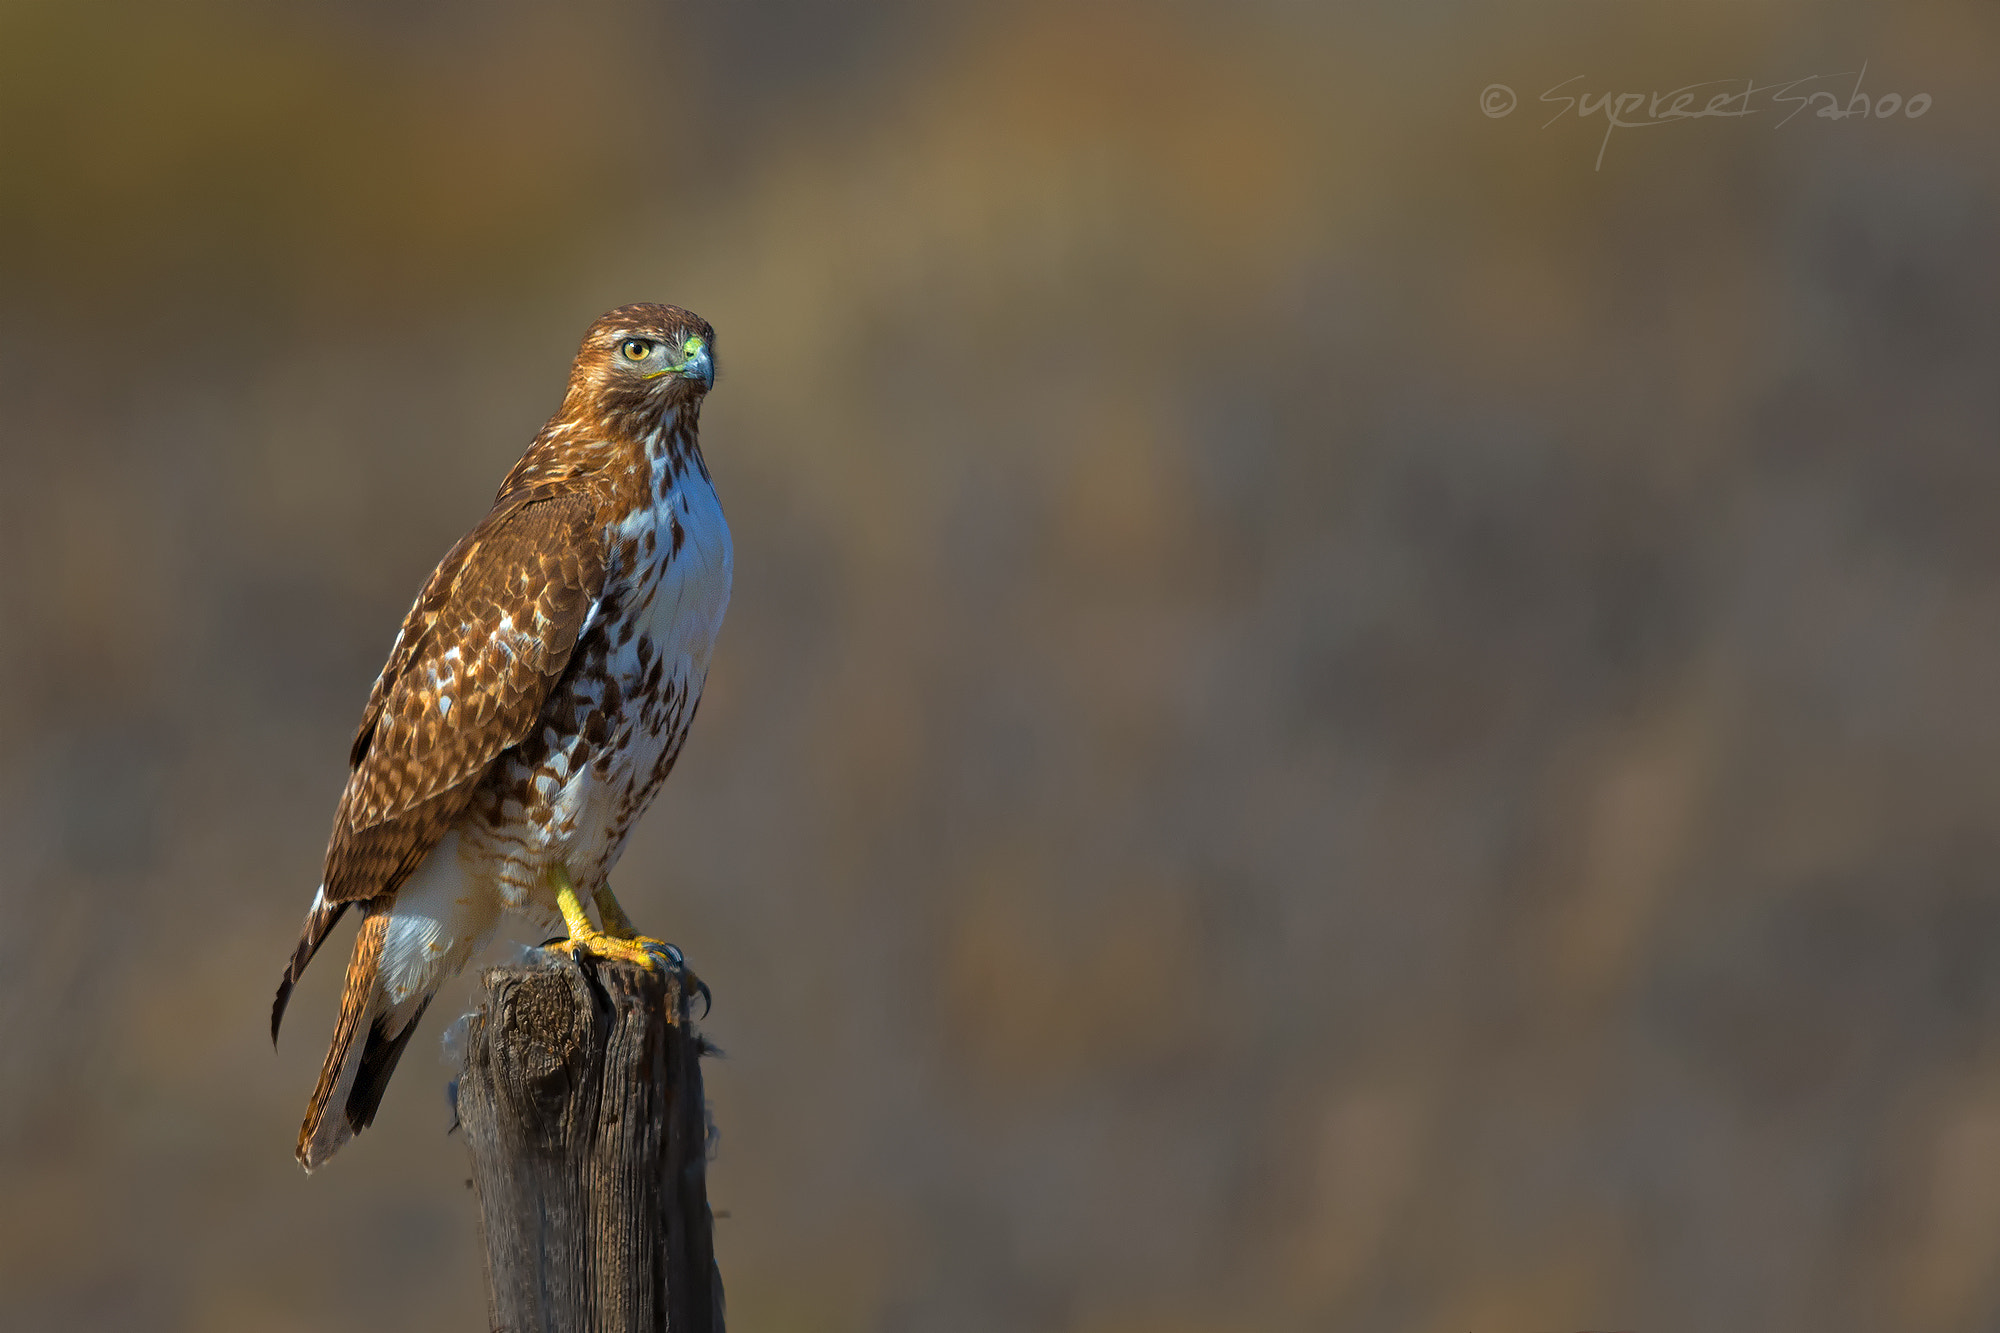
(636, 349)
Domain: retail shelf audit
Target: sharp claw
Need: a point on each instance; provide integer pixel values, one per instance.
(674, 958)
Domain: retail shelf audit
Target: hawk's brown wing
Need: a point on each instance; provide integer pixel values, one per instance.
(490, 635)
(476, 658)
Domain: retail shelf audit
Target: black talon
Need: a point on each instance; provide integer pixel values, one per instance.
(700, 988)
(678, 962)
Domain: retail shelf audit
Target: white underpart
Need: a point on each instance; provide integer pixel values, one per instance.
(443, 915)
(689, 594)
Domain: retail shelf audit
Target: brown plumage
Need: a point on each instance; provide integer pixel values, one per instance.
(536, 696)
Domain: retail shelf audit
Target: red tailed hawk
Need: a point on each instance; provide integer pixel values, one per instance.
(534, 700)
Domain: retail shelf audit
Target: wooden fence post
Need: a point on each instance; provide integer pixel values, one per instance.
(581, 1101)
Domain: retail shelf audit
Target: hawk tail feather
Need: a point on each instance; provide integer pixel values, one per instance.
(378, 1060)
(320, 921)
(327, 1125)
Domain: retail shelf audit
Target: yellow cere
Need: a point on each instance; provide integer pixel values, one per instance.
(689, 350)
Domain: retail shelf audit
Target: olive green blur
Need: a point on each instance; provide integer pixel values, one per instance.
(1337, 715)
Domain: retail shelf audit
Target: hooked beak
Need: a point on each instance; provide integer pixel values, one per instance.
(695, 364)
(698, 366)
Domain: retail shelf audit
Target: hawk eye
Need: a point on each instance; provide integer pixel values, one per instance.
(636, 349)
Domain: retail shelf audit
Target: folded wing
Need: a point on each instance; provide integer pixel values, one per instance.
(476, 658)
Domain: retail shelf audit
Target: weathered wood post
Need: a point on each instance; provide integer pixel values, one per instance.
(581, 1101)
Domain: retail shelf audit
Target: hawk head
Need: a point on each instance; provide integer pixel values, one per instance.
(638, 361)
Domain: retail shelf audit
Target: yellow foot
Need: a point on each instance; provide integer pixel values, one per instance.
(618, 939)
(638, 950)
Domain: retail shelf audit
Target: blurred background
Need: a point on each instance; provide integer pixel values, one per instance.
(1336, 715)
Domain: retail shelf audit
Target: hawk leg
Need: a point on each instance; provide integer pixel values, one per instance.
(616, 923)
(618, 939)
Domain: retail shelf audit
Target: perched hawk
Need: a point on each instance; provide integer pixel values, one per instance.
(534, 700)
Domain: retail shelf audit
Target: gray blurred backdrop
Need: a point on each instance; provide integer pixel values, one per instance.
(1335, 716)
